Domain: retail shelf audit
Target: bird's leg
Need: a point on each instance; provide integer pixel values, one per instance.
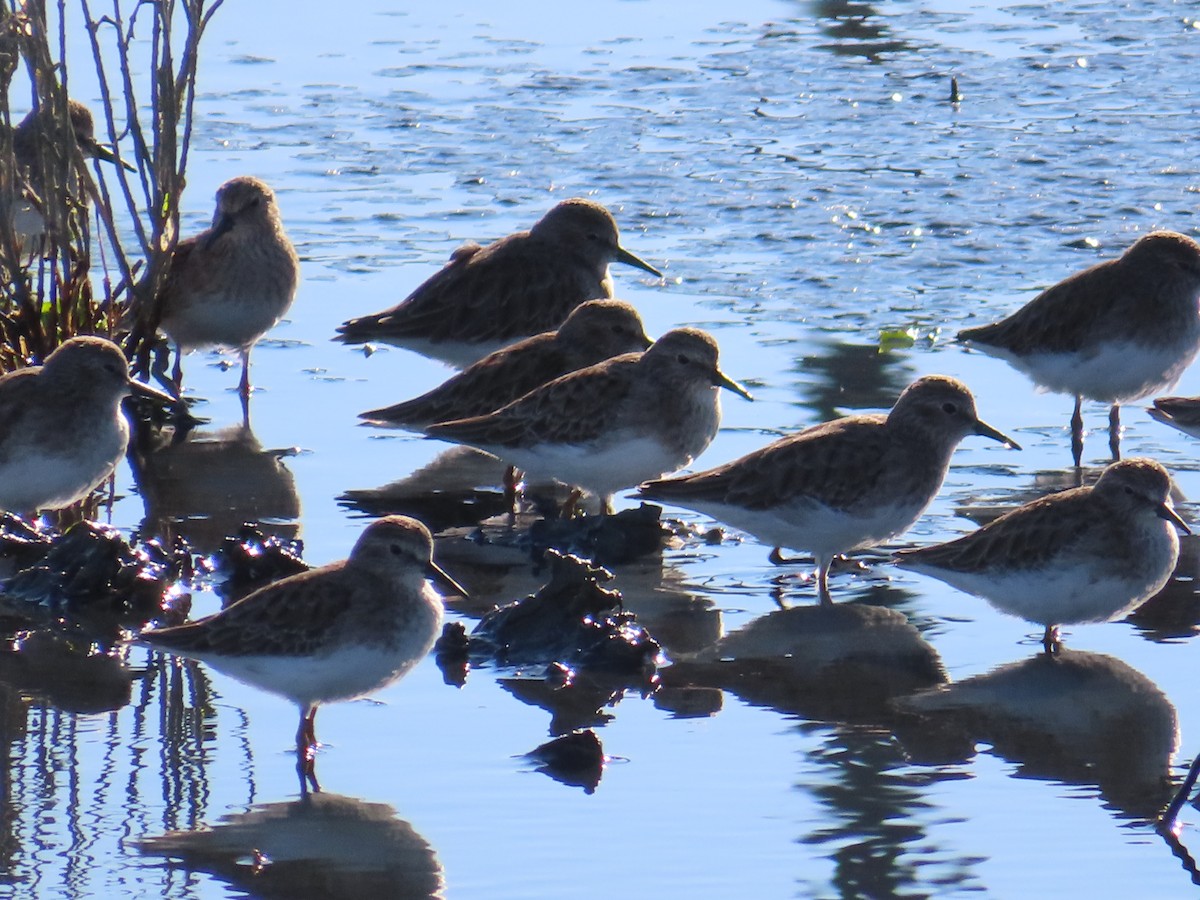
(606, 505)
(306, 735)
(177, 372)
(1167, 820)
(568, 508)
(1077, 431)
(244, 384)
(306, 770)
(1051, 639)
(512, 483)
(1114, 432)
(823, 582)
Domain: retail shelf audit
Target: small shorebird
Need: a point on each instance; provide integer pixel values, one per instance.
(596, 331)
(230, 284)
(335, 633)
(62, 431)
(521, 285)
(614, 424)
(1116, 332)
(34, 141)
(1178, 412)
(1088, 554)
(844, 485)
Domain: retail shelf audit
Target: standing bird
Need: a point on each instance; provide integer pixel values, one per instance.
(521, 285)
(335, 633)
(614, 424)
(35, 147)
(1118, 331)
(596, 331)
(229, 285)
(1088, 554)
(844, 485)
(62, 431)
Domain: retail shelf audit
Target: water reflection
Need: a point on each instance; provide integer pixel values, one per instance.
(851, 377)
(461, 486)
(854, 29)
(56, 671)
(203, 485)
(1073, 716)
(322, 845)
(843, 662)
(1174, 612)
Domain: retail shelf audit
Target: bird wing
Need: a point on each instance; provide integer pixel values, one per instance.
(835, 463)
(20, 400)
(489, 384)
(297, 615)
(550, 414)
(1029, 536)
(1061, 318)
(506, 290)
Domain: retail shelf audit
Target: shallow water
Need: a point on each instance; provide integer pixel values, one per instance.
(799, 175)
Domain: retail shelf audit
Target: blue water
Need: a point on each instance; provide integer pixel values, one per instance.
(799, 175)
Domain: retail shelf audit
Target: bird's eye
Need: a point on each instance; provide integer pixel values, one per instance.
(683, 360)
(617, 329)
(949, 408)
(1129, 490)
(396, 549)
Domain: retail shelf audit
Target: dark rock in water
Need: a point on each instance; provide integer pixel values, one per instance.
(607, 540)
(575, 759)
(451, 654)
(249, 560)
(91, 570)
(572, 620)
(22, 544)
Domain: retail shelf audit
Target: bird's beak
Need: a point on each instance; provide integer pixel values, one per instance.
(104, 152)
(221, 225)
(983, 429)
(720, 379)
(439, 576)
(145, 390)
(624, 256)
(1165, 511)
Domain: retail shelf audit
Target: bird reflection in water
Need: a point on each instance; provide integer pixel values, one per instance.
(1083, 718)
(321, 845)
(204, 485)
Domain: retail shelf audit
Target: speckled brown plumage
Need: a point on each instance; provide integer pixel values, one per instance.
(232, 283)
(593, 332)
(518, 286)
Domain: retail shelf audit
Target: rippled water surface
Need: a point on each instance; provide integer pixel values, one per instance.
(800, 176)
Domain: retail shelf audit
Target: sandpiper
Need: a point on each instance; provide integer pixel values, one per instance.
(62, 431)
(1178, 412)
(844, 485)
(596, 331)
(230, 284)
(1088, 554)
(1116, 332)
(614, 424)
(520, 285)
(34, 143)
(339, 632)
